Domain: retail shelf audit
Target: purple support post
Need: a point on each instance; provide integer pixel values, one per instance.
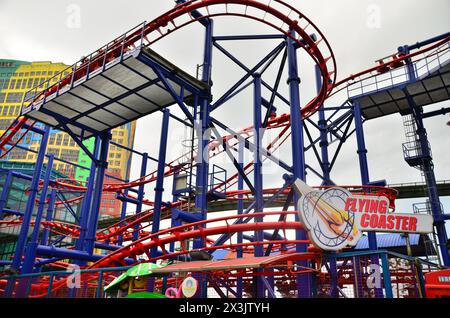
(30, 252)
(141, 193)
(240, 210)
(102, 165)
(325, 165)
(49, 216)
(123, 213)
(86, 204)
(258, 179)
(34, 189)
(159, 188)
(203, 138)
(358, 289)
(304, 281)
(201, 183)
(364, 168)
(5, 192)
(322, 123)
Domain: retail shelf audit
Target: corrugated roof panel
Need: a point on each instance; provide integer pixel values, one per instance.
(388, 240)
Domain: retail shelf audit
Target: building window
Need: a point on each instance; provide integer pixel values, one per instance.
(6, 84)
(5, 123)
(14, 98)
(12, 84)
(29, 95)
(66, 140)
(53, 151)
(58, 139)
(19, 83)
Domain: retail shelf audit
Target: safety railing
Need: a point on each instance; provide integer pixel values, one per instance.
(85, 283)
(396, 275)
(413, 150)
(85, 68)
(218, 176)
(423, 66)
(425, 208)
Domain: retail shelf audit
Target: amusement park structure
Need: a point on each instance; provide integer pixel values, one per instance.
(254, 250)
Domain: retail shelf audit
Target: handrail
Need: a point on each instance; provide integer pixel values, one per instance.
(423, 67)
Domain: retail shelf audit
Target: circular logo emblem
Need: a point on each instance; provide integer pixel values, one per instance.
(189, 287)
(330, 226)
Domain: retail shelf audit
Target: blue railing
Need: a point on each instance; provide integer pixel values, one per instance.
(97, 58)
(413, 150)
(66, 290)
(423, 67)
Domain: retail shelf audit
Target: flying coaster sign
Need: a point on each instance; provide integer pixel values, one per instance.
(334, 218)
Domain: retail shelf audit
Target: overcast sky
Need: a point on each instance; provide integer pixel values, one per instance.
(359, 32)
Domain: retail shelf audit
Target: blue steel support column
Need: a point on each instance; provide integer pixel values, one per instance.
(102, 165)
(325, 165)
(30, 252)
(140, 195)
(49, 216)
(34, 189)
(386, 276)
(364, 169)
(201, 183)
(240, 210)
(203, 162)
(359, 291)
(304, 281)
(428, 169)
(258, 178)
(5, 192)
(86, 204)
(159, 188)
(123, 213)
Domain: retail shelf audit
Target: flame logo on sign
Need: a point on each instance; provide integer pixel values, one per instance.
(329, 225)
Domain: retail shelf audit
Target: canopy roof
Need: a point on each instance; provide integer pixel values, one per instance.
(230, 264)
